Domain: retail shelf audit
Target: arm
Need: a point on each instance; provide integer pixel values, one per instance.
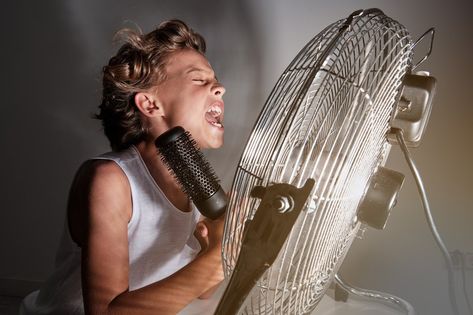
(105, 261)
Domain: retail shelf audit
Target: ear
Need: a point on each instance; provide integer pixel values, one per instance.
(148, 104)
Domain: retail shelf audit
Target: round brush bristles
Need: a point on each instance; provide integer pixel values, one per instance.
(188, 165)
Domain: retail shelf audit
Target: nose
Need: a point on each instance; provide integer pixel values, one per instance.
(218, 89)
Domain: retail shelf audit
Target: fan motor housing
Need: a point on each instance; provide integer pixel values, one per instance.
(380, 197)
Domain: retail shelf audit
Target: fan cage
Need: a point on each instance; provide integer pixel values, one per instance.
(326, 119)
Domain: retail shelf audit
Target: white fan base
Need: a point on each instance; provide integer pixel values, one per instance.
(327, 306)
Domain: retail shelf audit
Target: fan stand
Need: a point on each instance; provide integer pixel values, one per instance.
(343, 289)
(263, 239)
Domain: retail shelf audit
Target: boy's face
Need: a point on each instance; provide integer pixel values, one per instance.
(191, 97)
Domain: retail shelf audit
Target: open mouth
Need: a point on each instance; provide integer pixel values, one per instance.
(214, 116)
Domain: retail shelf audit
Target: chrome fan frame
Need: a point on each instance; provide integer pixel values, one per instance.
(326, 119)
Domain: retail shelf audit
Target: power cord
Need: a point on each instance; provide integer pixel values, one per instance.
(465, 291)
(430, 221)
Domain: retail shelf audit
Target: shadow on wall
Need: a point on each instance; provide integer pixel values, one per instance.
(52, 81)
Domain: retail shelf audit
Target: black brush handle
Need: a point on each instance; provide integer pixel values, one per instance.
(194, 174)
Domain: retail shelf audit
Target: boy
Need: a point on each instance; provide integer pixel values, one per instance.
(129, 246)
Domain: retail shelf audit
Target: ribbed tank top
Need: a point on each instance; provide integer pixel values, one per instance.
(160, 242)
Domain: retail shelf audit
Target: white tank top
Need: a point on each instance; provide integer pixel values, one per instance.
(160, 242)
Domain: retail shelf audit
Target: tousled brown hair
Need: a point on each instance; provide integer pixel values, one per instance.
(138, 66)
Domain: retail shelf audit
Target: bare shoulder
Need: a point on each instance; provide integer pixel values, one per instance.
(100, 190)
(100, 169)
(104, 175)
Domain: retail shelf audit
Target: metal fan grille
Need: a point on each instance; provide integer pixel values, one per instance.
(326, 119)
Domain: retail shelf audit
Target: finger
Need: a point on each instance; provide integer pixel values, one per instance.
(203, 230)
(198, 229)
(203, 240)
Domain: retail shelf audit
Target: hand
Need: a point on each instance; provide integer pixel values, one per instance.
(209, 233)
(201, 233)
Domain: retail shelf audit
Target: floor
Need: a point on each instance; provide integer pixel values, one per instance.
(327, 306)
(9, 305)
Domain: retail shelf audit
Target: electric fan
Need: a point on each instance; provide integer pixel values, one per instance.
(305, 180)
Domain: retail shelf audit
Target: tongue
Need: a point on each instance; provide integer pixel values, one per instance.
(210, 118)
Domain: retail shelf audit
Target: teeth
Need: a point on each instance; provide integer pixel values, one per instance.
(216, 124)
(214, 110)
